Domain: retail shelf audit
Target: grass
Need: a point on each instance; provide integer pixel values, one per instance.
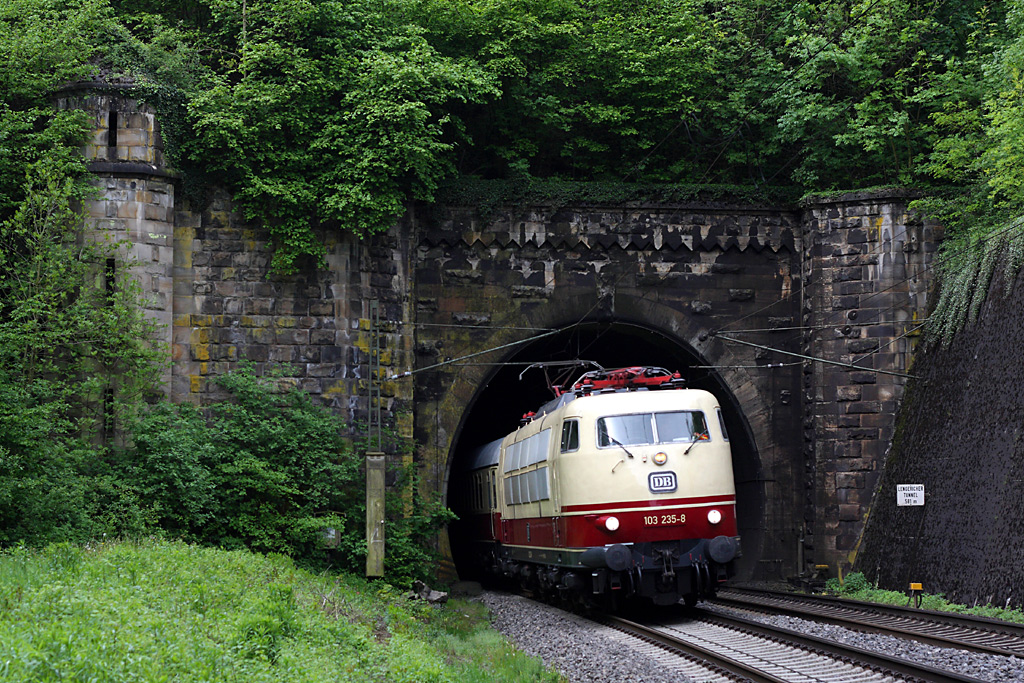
(857, 587)
(164, 611)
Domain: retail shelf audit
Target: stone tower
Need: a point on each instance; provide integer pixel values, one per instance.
(135, 204)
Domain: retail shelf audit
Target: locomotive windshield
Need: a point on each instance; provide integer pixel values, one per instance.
(650, 428)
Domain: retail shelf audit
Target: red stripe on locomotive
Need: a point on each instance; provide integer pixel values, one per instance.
(583, 531)
(652, 502)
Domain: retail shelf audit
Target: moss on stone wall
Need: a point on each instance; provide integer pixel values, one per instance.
(959, 434)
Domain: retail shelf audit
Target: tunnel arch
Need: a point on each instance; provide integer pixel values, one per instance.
(499, 397)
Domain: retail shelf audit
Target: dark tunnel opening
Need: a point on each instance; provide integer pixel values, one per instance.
(503, 399)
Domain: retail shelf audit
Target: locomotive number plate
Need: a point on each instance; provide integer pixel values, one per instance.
(664, 520)
(662, 482)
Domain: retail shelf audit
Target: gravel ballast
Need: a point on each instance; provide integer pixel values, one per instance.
(584, 651)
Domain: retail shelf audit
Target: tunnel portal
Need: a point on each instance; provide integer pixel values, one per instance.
(520, 383)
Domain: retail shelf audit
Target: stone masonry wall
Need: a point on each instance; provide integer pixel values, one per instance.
(681, 271)
(136, 201)
(314, 327)
(866, 277)
(853, 268)
(204, 274)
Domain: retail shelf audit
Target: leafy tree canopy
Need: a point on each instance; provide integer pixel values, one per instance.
(329, 113)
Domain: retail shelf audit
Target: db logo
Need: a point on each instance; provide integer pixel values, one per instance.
(661, 482)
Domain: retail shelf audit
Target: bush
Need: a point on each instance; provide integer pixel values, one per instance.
(266, 470)
(270, 470)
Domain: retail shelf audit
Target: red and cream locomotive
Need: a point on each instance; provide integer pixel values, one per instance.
(621, 487)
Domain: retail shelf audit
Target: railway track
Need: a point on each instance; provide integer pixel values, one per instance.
(734, 648)
(976, 634)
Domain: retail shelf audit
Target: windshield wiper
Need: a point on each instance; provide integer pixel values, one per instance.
(619, 444)
(696, 438)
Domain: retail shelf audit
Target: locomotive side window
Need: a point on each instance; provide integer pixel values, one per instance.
(529, 451)
(624, 430)
(683, 426)
(570, 436)
(528, 487)
(721, 423)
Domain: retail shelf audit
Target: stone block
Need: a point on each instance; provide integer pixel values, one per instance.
(321, 336)
(311, 385)
(858, 407)
(292, 336)
(461, 276)
(135, 153)
(323, 369)
(213, 306)
(862, 345)
(700, 307)
(741, 294)
(289, 307)
(132, 137)
(843, 303)
(847, 450)
(848, 393)
(282, 354)
(259, 306)
(849, 480)
(850, 513)
(530, 292)
(321, 307)
(257, 353)
(260, 335)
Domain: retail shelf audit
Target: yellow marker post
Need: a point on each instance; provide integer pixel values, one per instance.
(374, 514)
(915, 594)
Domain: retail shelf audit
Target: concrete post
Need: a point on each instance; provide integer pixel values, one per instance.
(374, 514)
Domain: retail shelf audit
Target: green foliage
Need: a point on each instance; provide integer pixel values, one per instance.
(282, 471)
(325, 113)
(269, 470)
(169, 611)
(854, 582)
(411, 531)
(487, 196)
(43, 44)
(73, 353)
(169, 468)
(322, 114)
(857, 587)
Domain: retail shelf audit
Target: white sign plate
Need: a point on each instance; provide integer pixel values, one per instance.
(909, 494)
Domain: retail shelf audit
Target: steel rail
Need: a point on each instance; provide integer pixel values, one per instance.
(965, 632)
(714, 659)
(884, 664)
(846, 652)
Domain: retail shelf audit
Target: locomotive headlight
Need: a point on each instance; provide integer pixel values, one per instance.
(660, 458)
(610, 523)
(714, 516)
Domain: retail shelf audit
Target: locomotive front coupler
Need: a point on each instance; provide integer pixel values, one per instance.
(668, 557)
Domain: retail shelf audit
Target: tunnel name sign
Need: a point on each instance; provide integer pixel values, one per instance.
(909, 494)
